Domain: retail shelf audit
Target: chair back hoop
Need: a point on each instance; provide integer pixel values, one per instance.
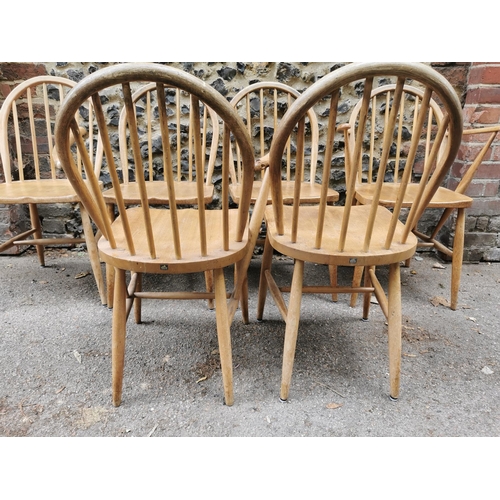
(146, 99)
(381, 105)
(262, 119)
(363, 75)
(162, 76)
(27, 116)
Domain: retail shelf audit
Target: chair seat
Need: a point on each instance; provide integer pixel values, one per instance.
(185, 193)
(353, 254)
(309, 193)
(444, 198)
(38, 191)
(166, 261)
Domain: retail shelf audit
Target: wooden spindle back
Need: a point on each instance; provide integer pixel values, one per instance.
(118, 81)
(27, 119)
(443, 149)
(181, 138)
(262, 105)
(410, 107)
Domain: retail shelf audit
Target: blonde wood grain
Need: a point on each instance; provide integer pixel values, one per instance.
(357, 235)
(427, 115)
(165, 238)
(27, 115)
(277, 95)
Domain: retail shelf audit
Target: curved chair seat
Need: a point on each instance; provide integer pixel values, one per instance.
(309, 193)
(352, 255)
(166, 261)
(185, 193)
(38, 191)
(443, 198)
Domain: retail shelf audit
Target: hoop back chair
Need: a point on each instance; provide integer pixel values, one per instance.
(444, 198)
(164, 240)
(262, 105)
(182, 148)
(180, 117)
(354, 235)
(27, 119)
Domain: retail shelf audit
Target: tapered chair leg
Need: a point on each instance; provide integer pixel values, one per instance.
(457, 258)
(224, 336)
(93, 253)
(266, 262)
(110, 284)
(35, 224)
(138, 300)
(356, 281)
(333, 272)
(118, 335)
(367, 296)
(209, 286)
(394, 321)
(292, 328)
(244, 302)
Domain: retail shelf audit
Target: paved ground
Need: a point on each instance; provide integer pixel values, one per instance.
(55, 360)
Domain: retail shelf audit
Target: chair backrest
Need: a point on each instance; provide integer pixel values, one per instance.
(182, 144)
(407, 120)
(115, 81)
(27, 119)
(346, 81)
(262, 105)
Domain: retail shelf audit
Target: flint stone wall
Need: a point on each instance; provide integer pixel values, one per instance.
(476, 84)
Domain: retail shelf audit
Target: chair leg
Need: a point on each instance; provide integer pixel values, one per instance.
(110, 284)
(457, 258)
(333, 271)
(93, 253)
(209, 285)
(394, 320)
(292, 328)
(118, 335)
(243, 297)
(110, 271)
(244, 302)
(266, 262)
(224, 336)
(138, 300)
(35, 224)
(356, 281)
(367, 296)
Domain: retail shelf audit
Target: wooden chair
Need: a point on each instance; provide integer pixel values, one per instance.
(354, 235)
(182, 152)
(164, 239)
(444, 198)
(262, 105)
(28, 157)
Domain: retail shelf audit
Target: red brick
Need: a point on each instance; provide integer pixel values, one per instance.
(485, 206)
(22, 71)
(491, 188)
(475, 189)
(484, 95)
(468, 152)
(4, 90)
(487, 170)
(482, 115)
(488, 75)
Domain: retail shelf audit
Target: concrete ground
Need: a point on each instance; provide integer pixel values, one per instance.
(55, 373)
